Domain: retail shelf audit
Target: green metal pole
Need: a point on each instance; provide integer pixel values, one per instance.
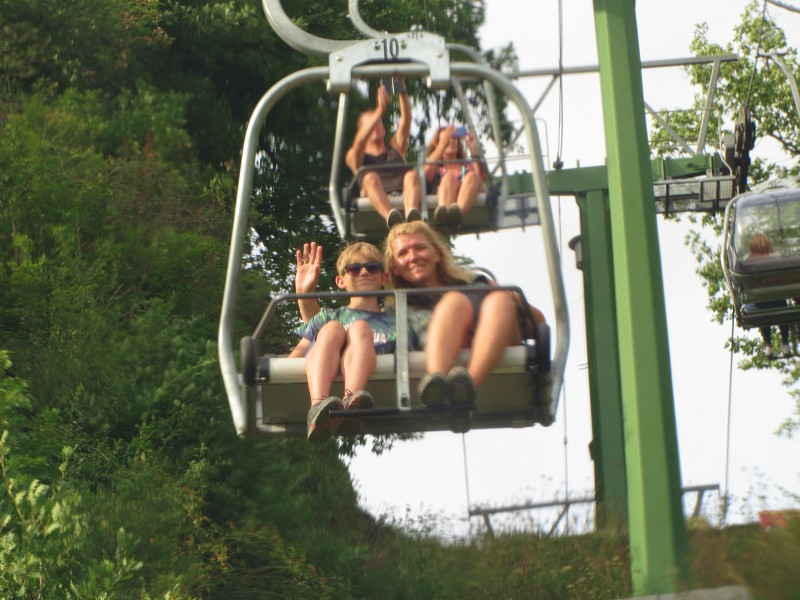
(608, 446)
(659, 549)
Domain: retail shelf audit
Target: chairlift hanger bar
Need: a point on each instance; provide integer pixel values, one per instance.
(360, 24)
(646, 64)
(294, 36)
(775, 56)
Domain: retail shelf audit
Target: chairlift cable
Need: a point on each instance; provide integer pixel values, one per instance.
(758, 51)
(560, 84)
(466, 470)
(785, 6)
(564, 401)
(728, 432)
(566, 459)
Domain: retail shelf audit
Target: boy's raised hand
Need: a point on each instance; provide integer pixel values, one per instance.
(309, 262)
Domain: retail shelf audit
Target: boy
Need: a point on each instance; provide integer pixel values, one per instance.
(347, 338)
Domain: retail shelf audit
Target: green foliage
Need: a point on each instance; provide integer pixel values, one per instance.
(757, 83)
(751, 81)
(43, 542)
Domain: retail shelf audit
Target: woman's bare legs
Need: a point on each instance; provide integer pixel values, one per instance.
(448, 332)
(448, 189)
(412, 191)
(497, 329)
(471, 184)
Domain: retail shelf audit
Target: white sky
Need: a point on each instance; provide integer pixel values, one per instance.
(425, 481)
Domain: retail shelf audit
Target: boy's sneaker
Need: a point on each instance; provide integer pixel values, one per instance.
(360, 400)
(460, 386)
(320, 424)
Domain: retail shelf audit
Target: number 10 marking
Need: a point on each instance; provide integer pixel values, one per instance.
(391, 48)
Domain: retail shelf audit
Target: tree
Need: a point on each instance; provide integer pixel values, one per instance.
(121, 124)
(756, 82)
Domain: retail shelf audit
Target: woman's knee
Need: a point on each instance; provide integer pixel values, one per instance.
(499, 305)
(448, 180)
(499, 309)
(455, 305)
(472, 182)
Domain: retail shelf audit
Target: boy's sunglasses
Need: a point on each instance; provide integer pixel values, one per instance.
(373, 267)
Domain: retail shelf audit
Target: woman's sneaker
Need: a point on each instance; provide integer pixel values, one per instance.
(320, 423)
(460, 386)
(432, 389)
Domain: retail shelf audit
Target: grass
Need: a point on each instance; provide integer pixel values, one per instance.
(409, 560)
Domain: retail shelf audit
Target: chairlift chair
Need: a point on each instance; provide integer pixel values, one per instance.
(518, 394)
(763, 288)
(268, 394)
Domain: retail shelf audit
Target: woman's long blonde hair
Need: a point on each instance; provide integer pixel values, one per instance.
(447, 271)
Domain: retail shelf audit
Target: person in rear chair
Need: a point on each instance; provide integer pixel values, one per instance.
(370, 149)
(457, 181)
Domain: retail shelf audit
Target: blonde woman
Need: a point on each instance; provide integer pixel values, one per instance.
(442, 324)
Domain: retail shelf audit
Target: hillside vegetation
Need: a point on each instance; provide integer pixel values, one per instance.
(121, 123)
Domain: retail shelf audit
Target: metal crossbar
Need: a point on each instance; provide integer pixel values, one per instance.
(487, 512)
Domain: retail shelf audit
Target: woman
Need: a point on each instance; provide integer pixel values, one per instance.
(456, 179)
(485, 321)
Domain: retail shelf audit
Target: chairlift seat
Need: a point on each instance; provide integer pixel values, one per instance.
(755, 316)
(512, 396)
(490, 212)
(366, 220)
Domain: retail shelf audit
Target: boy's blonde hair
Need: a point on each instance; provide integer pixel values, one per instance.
(447, 271)
(351, 252)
